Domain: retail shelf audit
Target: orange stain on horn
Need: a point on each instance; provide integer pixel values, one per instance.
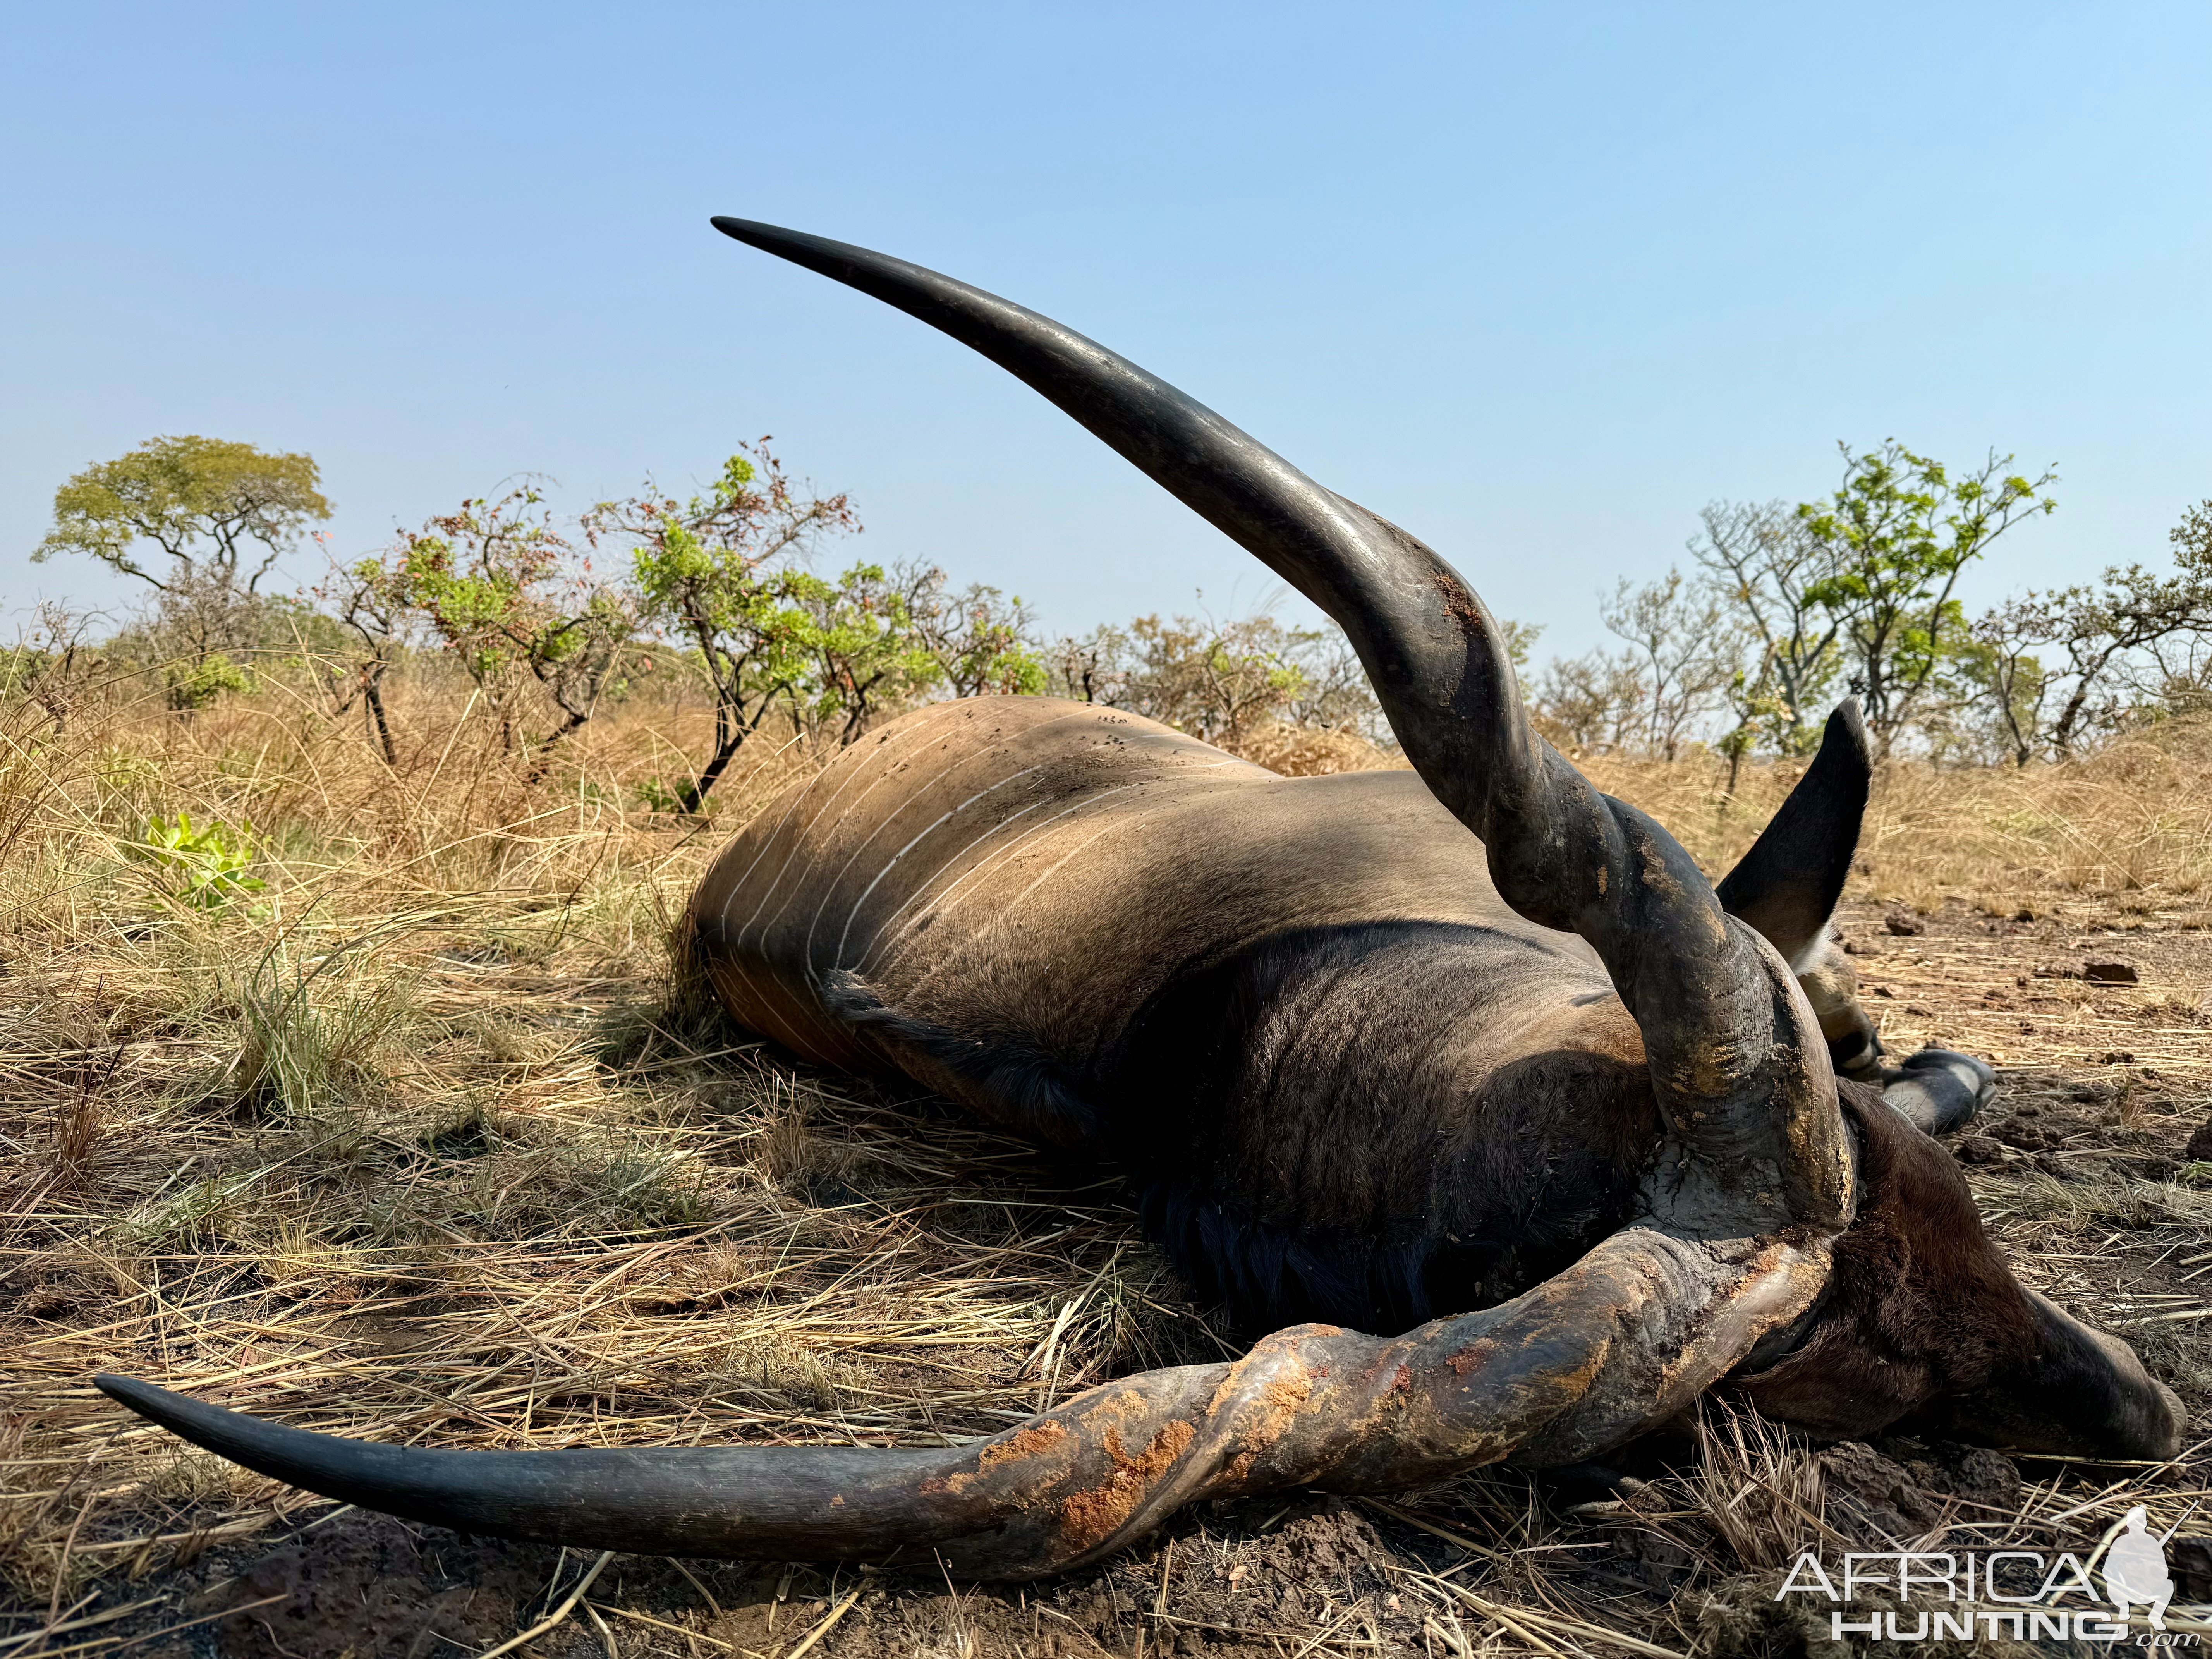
(1461, 604)
(1473, 1358)
(1088, 1517)
(1037, 1441)
(1032, 1441)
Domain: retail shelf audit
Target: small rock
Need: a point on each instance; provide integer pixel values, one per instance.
(1903, 926)
(2111, 972)
(1973, 1473)
(1876, 1491)
(1981, 1149)
(1982, 1476)
(2199, 1150)
(2113, 1057)
(2023, 914)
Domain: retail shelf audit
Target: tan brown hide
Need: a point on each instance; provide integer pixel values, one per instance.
(1035, 866)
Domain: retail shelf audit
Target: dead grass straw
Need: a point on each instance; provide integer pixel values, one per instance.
(425, 1139)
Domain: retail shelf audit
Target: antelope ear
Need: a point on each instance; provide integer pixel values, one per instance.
(1786, 887)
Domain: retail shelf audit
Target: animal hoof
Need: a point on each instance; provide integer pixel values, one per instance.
(1940, 1090)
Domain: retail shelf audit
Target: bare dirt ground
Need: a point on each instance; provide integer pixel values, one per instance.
(464, 1179)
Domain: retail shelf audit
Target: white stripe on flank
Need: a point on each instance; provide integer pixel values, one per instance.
(802, 837)
(1000, 921)
(812, 822)
(950, 812)
(736, 957)
(921, 890)
(828, 886)
(945, 903)
(1015, 902)
(966, 758)
(808, 1002)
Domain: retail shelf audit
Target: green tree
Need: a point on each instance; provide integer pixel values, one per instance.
(1762, 709)
(369, 605)
(859, 647)
(1991, 696)
(1896, 534)
(1217, 680)
(222, 512)
(716, 572)
(502, 590)
(984, 642)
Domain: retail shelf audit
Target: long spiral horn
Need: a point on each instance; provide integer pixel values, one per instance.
(1625, 1337)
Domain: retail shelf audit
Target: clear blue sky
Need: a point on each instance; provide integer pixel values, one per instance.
(1535, 282)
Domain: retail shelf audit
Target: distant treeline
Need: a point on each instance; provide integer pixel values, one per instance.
(548, 619)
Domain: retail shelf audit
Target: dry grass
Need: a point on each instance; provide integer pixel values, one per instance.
(414, 1142)
(2125, 833)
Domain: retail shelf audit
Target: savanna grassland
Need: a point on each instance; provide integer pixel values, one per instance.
(381, 1112)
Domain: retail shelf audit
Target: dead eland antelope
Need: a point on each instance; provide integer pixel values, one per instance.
(1476, 1056)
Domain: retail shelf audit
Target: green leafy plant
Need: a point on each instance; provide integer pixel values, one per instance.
(714, 573)
(655, 796)
(192, 686)
(984, 643)
(207, 867)
(859, 650)
(500, 588)
(1894, 539)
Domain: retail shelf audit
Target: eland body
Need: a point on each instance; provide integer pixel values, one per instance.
(1472, 1058)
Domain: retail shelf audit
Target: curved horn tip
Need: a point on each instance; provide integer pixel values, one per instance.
(141, 1397)
(1848, 723)
(156, 1404)
(755, 233)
